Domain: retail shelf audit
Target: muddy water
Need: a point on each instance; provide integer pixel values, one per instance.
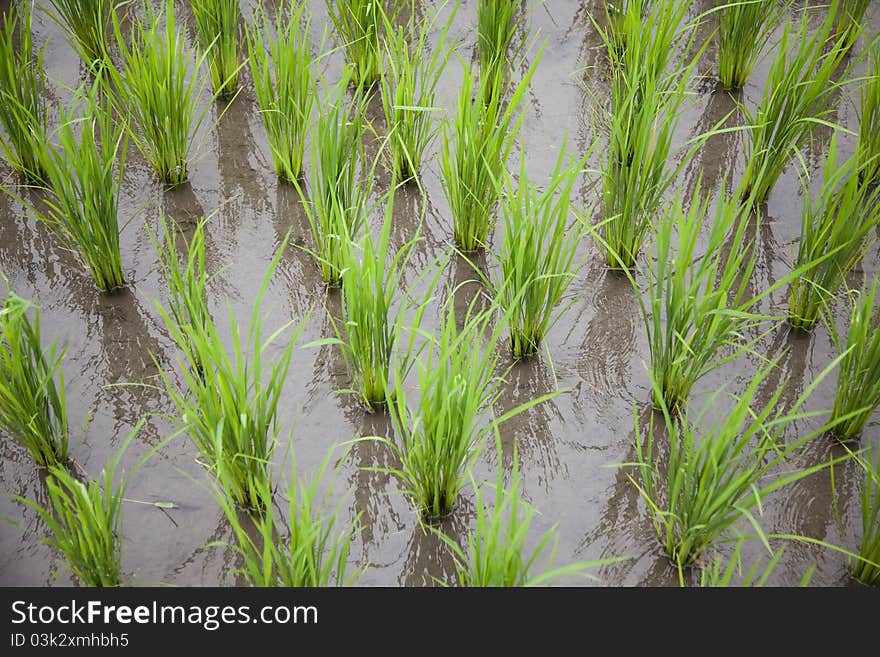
(567, 447)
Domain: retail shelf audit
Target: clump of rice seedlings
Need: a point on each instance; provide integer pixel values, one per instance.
(371, 278)
(33, 409)
(744, 28)
(22, 87)
(474, 157)
(280, 58)
(217, 28)
(358, 25)
(850, 18)
(646, 95)
(158, 88)
(187, 284)
(834, 230)
(88, 27)
(858, 380)
(439, 437)
(496, 25)
(720, 573)
(339, 204)
(799, 94)
(407, 91)
(867, 567)
(696, 305)
(495, 553)
(868, 147)
(714, 480)
(537, 254)
(229, 405)
(84, 519)
(84, 176)
(314, 550)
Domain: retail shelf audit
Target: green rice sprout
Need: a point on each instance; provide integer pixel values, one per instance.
(371, 280)
(858, 381)
(616, 16)
(720, 573)
(280, 58)
(439, 437)
(408, 91)
(868, 147)
(187, 285)
(229, 405)
(744, 29)
(474, 156)
(84, 177)
(84, 519)
(358, 25)
(339, 191)
(314, 550)
(647, 92)
(834, 237)
(496, 25)
(867, 567)
(158, 88)
(799, 95)
(714, 480)
(696, 305)
(850, 21)
(496, 553)
(537, 253)
(33, 409)
(88, 25)
(217, 28)
(22, 95)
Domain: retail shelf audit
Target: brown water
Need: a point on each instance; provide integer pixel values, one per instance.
(567, 447)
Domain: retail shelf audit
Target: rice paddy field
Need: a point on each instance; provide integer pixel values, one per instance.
(609, 339)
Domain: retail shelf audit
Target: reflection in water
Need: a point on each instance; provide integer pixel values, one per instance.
(371, 499)
(791, 346)
(607, 349)
(530, 431)
(429, 560)
(220, 542)
(714, 162)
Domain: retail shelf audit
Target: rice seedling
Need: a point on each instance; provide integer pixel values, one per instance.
(187, 284)
(358, 25)
(87, 24)
(281, 66)
(371, 278)
(229, 404)
(696, 305)
(84, 177)
(217, 29)
(858, 380)
(314, 552)
(408, 91)
(868, 146)
(850, 20)
(22, 87)
(834, 231)
(867, 567)
(537, 254)
(715, 480)
(495, 553)
(158, 88)
(33, 408)
(718, 573)
(744, 28)
(84, 519)
(646, 95)
(799, 94)
(438, 439)
(339, 204)
(496, 25)
(473, 158)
